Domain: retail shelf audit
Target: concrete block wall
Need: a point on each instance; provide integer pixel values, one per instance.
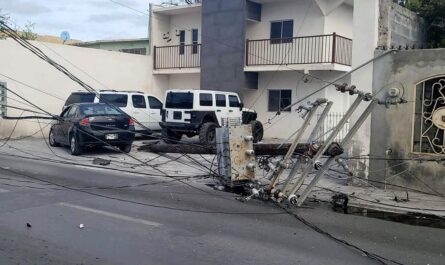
(399, 26)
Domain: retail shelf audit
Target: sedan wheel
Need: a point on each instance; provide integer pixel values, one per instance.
(74, 146)
(52, 139)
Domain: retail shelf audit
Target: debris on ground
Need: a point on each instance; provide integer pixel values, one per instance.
(101, 161)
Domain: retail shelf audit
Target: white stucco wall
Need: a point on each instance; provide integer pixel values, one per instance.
(185, 22)
(171, 24)
(308, 19)
(184, 81)
(288, 122)
(160, 24)
(111, 70)
(340, 21)
(365, 34)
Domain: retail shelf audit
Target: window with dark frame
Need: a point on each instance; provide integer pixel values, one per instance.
(234, 102)
(154, 103)
(181, 41)
(205, 99)
(118, 100)
(221, 100)
(141, 51)
(139, 101)
(281, 31)
(280, 99)
(195, 41)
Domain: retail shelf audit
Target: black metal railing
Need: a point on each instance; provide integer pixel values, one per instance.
(177, 56)
(318, 49)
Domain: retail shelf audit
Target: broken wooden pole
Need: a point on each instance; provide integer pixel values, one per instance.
(261, 149)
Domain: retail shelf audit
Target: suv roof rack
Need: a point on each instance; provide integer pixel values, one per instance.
(120, 91)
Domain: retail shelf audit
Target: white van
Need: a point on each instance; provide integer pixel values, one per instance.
(144, 108)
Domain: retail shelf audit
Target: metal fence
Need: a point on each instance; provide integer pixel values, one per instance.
(330, 123)
(177, 56)
(331, 48)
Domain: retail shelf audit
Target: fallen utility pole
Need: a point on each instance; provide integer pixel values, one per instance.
(289, 190)
(261, 149)
(283, 164)
(293, 199)
(312, 146)
(392, 100)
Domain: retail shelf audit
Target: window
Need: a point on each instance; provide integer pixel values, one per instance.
(234, 102)
(141, 51)
(195, 41)
(221, 100)
(80, 98)
(429, 122)
(205, 99)
(97, 110)
(138, 101)
(179, 100)
(281, 31)
(118, 100)
(72, 112)
(181, 41)
(280, 99)
(65, 112)
(154, 103)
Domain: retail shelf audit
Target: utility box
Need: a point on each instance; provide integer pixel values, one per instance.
(3, 100)
(235, 154)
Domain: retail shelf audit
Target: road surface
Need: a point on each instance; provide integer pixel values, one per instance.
(139, 219)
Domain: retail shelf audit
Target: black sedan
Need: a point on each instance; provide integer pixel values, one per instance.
(92, 124)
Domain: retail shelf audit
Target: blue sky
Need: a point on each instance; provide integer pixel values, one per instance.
(85, 20)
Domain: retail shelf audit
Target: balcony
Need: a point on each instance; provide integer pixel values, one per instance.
(177, 58)
(321, 52)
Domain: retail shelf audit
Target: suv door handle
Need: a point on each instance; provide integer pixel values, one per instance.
(230, 110)
(218, 110)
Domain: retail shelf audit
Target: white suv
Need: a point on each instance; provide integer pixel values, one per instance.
(199, 112)
(144, 108)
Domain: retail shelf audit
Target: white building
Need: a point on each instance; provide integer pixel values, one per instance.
(272, 52)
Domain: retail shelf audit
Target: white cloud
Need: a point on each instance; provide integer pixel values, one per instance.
(85, 19)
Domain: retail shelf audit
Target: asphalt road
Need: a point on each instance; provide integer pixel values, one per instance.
(136, 219)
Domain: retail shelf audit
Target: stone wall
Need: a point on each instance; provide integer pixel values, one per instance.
(399, 26)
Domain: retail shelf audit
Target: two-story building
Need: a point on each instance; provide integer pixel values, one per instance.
(272, 52)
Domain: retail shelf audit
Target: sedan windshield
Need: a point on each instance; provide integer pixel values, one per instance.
(98, 110)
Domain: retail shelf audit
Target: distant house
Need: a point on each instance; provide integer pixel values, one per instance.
(135, 46)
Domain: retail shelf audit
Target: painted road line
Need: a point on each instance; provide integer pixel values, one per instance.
(110, 214)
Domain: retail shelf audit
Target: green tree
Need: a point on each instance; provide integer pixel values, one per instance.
(27, 32)
(433, 11)
(3, 18)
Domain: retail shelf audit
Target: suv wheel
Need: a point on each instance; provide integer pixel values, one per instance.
(126, 148)
(52, 139)
(75, 146)
(257, 131)
(170, 137)
(207, 133)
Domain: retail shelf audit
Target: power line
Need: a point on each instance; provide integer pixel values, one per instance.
(142, 203)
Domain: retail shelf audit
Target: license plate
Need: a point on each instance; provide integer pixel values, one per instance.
(111, 136)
